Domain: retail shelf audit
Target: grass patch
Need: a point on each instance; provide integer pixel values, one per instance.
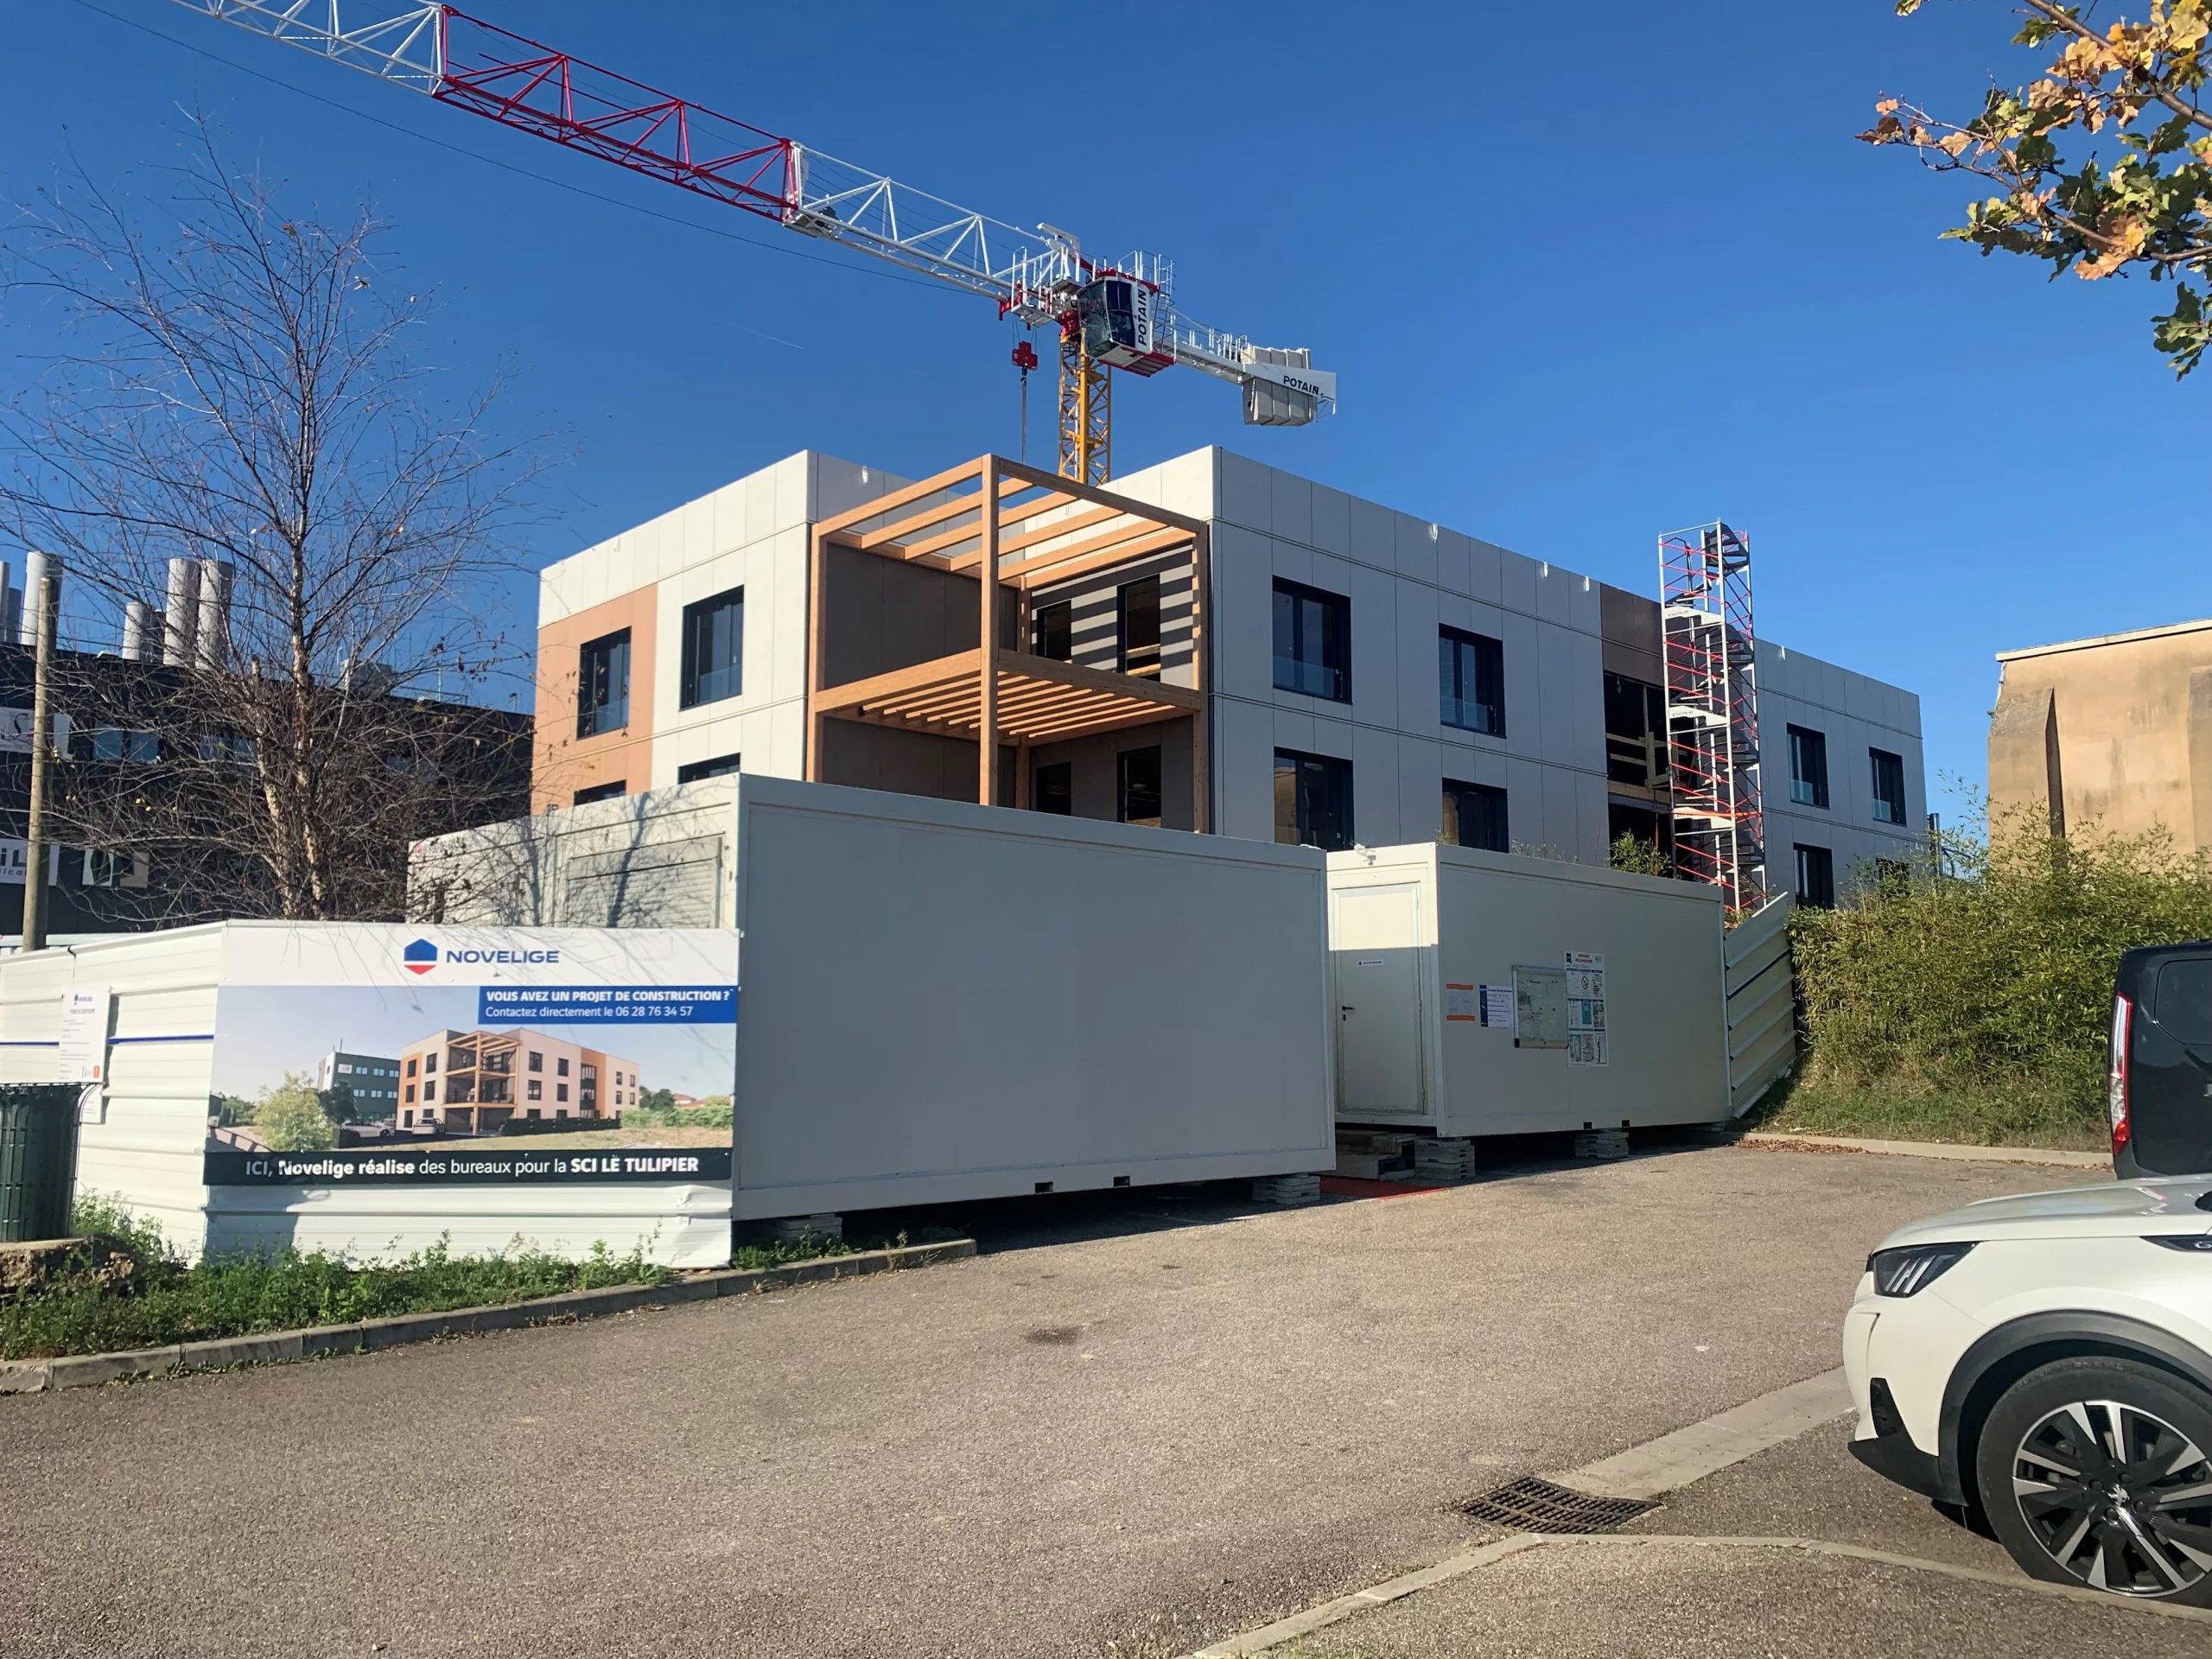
(282, 1290)
(783, 1252)
(1990, 1115)
(289, 1290)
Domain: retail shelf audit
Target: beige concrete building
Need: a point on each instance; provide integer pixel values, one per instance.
(1350, 673)
(2117, 729)
(473, 1081)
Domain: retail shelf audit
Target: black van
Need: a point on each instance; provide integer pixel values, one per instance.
(2160, 1087)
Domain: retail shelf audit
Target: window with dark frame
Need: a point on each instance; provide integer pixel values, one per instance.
(1474, 816)
(1137, 786)
(1052, 789)
(1313, 801)
(1889, 785)
(1470, 680)
(1136, 608)
(713, 649)
(1808, 767)
(613, 791)
(1055, 630)
(1816, 877)
(603, 685)
(699, 770)
(1312, 642)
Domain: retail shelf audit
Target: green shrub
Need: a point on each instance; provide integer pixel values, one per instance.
(1986, 973)
(285, 1290)
(291, 1118)
(1638, 857)
(712, 1113)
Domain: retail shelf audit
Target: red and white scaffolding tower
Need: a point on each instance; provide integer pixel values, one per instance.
(1712, 721)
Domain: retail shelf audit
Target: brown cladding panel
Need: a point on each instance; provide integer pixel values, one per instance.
(563, 763)
(904, 762)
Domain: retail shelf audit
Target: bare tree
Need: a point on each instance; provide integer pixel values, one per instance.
(242, 439)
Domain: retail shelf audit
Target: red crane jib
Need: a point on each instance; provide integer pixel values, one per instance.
(521, 83)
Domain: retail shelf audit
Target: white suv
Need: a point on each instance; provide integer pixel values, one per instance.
(2045, 1362)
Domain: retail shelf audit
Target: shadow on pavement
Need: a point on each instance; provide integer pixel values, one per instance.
(1045, 1218)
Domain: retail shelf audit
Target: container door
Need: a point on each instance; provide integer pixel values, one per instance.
(1378, 1032)
(2170, 1093)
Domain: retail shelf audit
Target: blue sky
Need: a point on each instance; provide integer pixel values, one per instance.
(1586, 273)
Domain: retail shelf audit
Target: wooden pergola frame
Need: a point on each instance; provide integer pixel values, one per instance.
(1031, 529)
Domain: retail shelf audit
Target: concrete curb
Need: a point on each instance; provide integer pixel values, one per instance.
(1782, 1142)
(1689, 1455)
(89, 1370)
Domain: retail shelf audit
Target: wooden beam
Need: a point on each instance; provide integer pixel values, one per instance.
(1130, 543)
(1098, 679)
(1050, 571)
(1060, 734)
(1062, 527)
(1037, 693)
(987, 675)
(936, 545)
(1201, 648)
(810, 764)
(964, 733)
(867, 510)
(936, 513)
(954, 699)
(1087, 493)
(879, 687)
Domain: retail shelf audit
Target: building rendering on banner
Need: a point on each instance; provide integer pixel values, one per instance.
(367, 1083)
(2115, 730)
(1208, 643)
(471, 1082)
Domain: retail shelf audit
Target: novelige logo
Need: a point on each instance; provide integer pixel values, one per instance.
(423, 956)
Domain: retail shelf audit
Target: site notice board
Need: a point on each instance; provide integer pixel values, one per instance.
(615, 1051)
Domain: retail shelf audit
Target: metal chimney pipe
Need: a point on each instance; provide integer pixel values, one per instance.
(140, 634)
(181, 616)
(214, 648)
(36, 567)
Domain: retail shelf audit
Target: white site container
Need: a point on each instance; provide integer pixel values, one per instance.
(947, 1002)
(1454, 969)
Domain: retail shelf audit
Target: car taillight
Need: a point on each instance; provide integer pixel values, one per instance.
(2116, 1084)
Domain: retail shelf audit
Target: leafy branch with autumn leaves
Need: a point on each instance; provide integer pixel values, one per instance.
(2148, 208)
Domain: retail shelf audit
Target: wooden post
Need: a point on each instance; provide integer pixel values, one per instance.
(817, 569)
(34, 830)
(1201, 681)
(986, 706)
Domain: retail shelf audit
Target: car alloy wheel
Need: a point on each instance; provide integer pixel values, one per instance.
(2105, 1488)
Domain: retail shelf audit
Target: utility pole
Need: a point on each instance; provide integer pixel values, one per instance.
(48, 597)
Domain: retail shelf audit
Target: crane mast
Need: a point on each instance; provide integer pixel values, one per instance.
(1113, 316)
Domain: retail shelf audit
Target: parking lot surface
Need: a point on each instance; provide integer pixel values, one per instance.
(1137, 1423)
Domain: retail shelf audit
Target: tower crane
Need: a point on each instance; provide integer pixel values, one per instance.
(1109, 316)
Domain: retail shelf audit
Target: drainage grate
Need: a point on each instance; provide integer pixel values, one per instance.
(1532, 1505)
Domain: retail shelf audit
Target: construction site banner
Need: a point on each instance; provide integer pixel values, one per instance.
(374, 1055)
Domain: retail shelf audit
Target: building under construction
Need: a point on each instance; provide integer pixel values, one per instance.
(1212, 644)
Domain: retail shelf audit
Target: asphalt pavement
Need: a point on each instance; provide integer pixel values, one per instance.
(1137, 1423)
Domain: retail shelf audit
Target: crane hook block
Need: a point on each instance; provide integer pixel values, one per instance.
(1025, 357)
